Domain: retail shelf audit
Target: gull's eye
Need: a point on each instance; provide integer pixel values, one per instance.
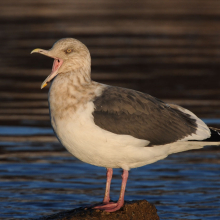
(68, 51)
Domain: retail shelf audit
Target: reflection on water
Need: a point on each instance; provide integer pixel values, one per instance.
(40, 178)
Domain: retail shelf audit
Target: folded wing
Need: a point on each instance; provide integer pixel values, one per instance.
(125, 111)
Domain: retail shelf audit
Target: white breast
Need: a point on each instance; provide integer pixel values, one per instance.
(79, 134)
(93, 145)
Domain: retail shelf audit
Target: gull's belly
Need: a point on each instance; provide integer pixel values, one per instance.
(99, 147)
(96, 146)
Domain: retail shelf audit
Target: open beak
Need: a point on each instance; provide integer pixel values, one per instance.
(56, 65)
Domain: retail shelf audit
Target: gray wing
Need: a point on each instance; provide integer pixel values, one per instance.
(125, 111)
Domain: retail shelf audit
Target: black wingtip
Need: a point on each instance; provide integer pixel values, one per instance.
(215, 135)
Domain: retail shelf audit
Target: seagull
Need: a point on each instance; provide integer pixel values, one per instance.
(110, 126)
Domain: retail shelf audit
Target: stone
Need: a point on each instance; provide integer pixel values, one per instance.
(134, 210)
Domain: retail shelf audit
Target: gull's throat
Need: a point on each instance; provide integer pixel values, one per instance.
(57, 63)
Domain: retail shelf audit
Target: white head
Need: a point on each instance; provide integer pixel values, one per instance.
(69, 55)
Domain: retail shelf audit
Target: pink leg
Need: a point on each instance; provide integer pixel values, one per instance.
(106, 199)
(108, 184)
(116, 206)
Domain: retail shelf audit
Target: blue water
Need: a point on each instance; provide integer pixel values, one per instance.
(39, 179)
(24, 130)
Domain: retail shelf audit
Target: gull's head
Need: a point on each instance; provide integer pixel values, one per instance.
(69, 55)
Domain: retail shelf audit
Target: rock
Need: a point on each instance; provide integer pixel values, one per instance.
(134, 210)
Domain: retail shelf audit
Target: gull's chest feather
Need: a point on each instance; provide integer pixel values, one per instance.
(73, 122)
